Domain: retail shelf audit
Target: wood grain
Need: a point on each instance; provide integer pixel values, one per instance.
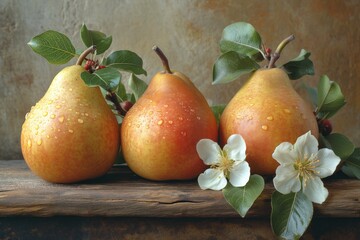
(120, 193)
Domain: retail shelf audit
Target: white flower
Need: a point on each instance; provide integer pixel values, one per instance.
(302, 166)
(227, 163)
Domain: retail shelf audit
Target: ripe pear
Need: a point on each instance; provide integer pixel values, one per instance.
(71, 134)
(266, 111)
(160, 132)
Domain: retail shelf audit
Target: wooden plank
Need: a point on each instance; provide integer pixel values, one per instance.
(120, 193)
(166, 228)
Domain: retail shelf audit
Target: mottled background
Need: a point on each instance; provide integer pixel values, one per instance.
(188, 32)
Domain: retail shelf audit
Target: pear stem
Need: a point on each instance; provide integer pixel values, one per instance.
(163, 58)
(83, 55)
(276, 55)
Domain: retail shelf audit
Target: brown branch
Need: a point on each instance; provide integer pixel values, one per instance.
(81, 58)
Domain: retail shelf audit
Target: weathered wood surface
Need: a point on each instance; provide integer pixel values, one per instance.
(113, 228)
(122, 194)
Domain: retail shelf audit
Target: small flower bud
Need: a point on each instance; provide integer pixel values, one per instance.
(126, 105)
(325, 127)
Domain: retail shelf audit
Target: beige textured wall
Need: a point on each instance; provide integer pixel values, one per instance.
(188, 32)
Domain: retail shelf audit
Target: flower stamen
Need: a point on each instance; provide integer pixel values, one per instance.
(307, 168)
(225, 164)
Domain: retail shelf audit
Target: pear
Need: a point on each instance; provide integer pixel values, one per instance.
(266, 111)
(70, 134)
(160, 132)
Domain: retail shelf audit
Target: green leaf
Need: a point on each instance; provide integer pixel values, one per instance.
(291, 214)
(90, 37)
(340, 144)
(242, 198)
(330, 97)
(131, 97)
(352, 164)
(103, 61)
(300, 66)
(241, 37)
(126, 60)
(103, 45)
(323, 142)
(323, 88)
(121, 93)
(218, 110)
(231, 65)
(55, 47)
(137, 86)
(106, 78)
(119, 120)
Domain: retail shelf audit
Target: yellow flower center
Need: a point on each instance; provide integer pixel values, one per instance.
(306, 168)
(225, 164)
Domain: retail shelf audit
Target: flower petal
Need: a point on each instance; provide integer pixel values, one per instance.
(212, 179)
(315, 190)
(284, 153)
(306, 145)
(209, 151)
(235, 148)
(240, 174)
(286, 179)
(328, 162)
